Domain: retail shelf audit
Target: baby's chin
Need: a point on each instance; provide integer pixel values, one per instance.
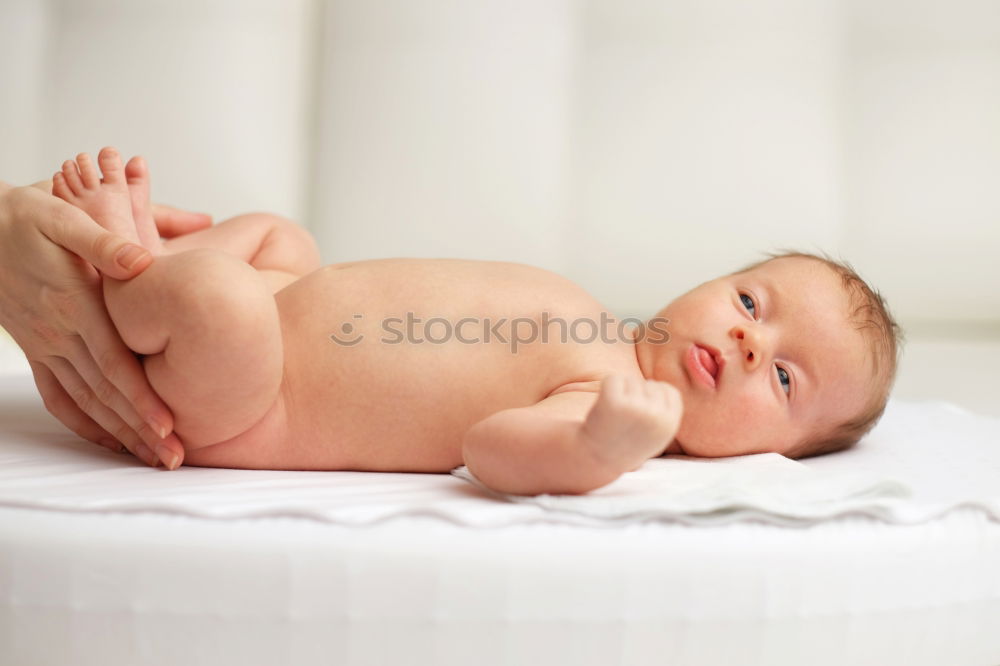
(689, 442)
(715, 445)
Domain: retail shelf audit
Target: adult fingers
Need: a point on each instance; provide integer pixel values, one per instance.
(60, 405)
(173, 222)
(104, 358)
(85, 399)
(111, 254)
(79, 356)
(101, 381)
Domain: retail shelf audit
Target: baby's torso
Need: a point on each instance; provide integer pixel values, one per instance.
(388, 362)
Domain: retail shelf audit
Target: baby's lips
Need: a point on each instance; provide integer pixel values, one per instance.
(717, 359)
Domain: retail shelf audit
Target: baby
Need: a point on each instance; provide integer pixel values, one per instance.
(269, 361)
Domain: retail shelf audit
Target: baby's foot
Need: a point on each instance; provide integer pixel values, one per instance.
(106, 200)
(137, 177)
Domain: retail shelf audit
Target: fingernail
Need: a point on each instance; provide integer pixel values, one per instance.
(145, 455)
(169, 458)
(129, 256)
(158, 426)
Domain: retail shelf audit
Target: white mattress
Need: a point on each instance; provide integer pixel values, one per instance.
(91, 584)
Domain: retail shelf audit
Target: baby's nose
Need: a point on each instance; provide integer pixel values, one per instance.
(749, 344)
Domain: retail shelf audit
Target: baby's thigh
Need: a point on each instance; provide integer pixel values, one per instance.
(222, 366)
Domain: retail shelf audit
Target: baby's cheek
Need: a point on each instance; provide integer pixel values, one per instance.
(725, 426)
(745, 408)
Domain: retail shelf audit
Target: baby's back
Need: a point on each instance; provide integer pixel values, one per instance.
(388, 362)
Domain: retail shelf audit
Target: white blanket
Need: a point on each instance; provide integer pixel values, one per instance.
(766, 486)
(921, 461)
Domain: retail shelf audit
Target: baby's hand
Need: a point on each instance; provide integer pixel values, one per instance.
(634, 419)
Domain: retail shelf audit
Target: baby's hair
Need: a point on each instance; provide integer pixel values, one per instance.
(871, 316)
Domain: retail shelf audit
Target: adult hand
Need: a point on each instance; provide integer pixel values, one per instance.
(52, 305)
(172, 222)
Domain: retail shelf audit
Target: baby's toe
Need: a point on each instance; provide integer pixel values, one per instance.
(136, 172)
(88, 174)
(72, 176)
(59, 186)
(111, 166)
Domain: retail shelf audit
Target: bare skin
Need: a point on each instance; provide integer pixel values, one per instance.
(51, 303)
(119, 198)
(245, 361)
(268, 361)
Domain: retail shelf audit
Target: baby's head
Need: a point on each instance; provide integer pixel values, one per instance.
(795, 355)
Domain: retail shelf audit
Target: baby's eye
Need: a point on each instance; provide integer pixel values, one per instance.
(748, 304)
(784, 379)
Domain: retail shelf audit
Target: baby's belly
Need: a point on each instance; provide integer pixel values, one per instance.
(364, 389)
(379, 406)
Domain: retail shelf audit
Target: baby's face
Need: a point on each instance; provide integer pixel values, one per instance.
(787, 362)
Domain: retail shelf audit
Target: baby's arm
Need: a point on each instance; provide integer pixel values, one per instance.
(279, 249)
(576, 441)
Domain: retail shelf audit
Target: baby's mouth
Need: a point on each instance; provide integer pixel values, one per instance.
(708, 361)
(703, 364)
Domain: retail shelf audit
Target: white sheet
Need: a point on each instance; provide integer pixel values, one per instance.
(922, 461)
(93, 585)
(697, 491)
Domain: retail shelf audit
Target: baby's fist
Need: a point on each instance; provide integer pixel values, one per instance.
(633, 419)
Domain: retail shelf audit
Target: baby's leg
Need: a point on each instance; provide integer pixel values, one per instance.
(279, 249)
(118, 201)
(209, 328)
(137, 177)
(205, 320)
(106, 199)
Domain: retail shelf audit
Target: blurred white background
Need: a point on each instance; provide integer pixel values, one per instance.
(637, 147)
